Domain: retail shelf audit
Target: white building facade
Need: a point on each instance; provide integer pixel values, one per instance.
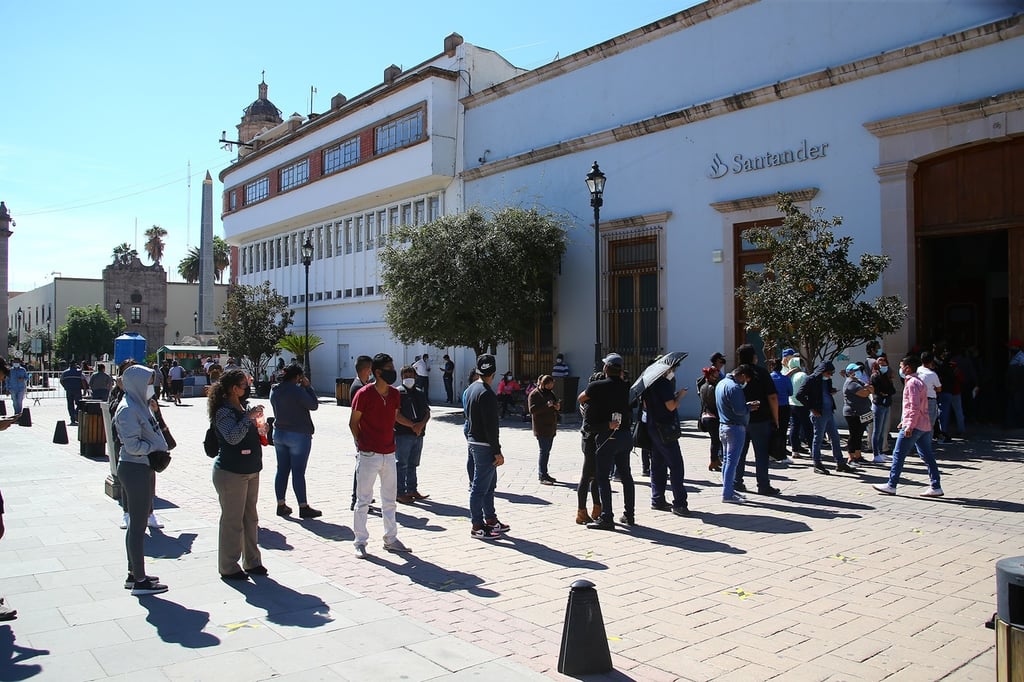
(343, 180)
(906, 119)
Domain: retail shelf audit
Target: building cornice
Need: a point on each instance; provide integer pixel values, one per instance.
(627, 41)
(763, 200)
(954, 113)
(634, 222)
(893, 60)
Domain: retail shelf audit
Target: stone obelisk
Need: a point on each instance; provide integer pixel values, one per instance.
(5, 234)
(206, 304)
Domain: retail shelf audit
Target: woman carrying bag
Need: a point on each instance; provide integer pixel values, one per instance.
(544, 408)
(140, 437)
(236, 476)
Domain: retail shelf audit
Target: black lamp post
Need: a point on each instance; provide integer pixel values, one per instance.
(195, 323)
(117, 311)
(21, 316)
(49, 342)
(307, 258)
(595, 183)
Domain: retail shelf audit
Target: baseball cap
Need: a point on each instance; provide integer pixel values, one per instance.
(613, 359)
(789, 351)
(485, 365)
(852, 367)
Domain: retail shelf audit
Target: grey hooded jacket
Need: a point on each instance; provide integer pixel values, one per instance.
(136, 426)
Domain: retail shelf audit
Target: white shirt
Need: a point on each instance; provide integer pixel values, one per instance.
(930, 379)
(422, 367)
(176, 372)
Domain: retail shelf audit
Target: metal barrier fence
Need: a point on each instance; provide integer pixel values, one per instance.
(43, 385)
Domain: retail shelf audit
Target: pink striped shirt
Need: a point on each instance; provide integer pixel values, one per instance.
(915, 405)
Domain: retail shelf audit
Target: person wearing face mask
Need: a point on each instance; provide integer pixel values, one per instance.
(544, 408)
(734, 415)
(372, 423)
(292, 400)
(800, 431)
(784, 391)
(410, 427)
(881, 401)
(17, 384)
(816, 394)
(507, 388)
(856, 408)
(139, 432)
(763, 422)
(661, 401)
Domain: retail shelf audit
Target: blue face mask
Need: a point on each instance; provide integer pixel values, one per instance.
(883, 369)
(902, 375)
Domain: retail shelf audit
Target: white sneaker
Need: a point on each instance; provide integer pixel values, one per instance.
(933, 492)
(881, 459)
(154, 522)
(124, 521)
(396, 546)
(735, 499)
(884, 488)
(361, 551)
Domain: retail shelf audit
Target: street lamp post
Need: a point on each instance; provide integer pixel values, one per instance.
(195, 323)
(20, 316)
(595, 183)
(307, 258)
(49, 343)
(117, 311)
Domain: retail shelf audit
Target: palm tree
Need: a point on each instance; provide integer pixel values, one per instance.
(155, 243)
(296, 344)
(188, 268)
(124, 253)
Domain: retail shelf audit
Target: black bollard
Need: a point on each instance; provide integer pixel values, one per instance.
(270, 430)
(25, 419)
(584, 649)
(60, 433)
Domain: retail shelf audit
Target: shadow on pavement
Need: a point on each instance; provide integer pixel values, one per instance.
(434, 577)
(810, 512)
(271, 539)
(682, 541)
(326, 530)
(545, 553)
(162, 546)
(825, 502)
(752, 523)
(177, 625)
(439, 508)
(994, 505)
(160, 503)
(519, 499)
(418, 522)
(12, 657)
(284, 605)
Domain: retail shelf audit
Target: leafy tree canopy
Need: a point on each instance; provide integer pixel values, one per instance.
(123, 253)
(810, 295)
(471, 279)
(189, 266)
(298, 344)
(256, 321)
(88, 332)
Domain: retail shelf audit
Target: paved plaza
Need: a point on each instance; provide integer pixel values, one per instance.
(830, 581)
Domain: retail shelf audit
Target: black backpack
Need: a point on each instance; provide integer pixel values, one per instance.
(210, 443)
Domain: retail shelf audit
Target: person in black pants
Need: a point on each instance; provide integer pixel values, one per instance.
(762, 420)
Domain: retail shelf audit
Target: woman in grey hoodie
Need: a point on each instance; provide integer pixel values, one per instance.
(140, 435)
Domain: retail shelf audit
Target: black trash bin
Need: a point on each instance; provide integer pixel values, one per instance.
(1010, 619)
(343, 390)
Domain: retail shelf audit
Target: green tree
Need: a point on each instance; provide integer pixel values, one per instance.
(188, 268)
(88, 332)
(471, 279)
(123, 253)
(810, 295)
(296, 344)
(256, 321)
(155, 243)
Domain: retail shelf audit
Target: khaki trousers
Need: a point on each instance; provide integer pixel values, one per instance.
(239, 522)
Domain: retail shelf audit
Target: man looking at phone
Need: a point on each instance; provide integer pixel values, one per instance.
(607, 420)
(734, 414)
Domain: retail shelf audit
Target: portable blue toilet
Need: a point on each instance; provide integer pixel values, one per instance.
(129, 345)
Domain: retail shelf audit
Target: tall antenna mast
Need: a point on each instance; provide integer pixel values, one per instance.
(188, 205)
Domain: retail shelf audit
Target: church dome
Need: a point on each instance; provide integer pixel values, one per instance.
(262, 110)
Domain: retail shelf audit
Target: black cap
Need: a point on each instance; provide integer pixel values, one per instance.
(485, 365)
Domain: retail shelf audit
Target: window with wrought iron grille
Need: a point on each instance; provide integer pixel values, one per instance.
(634, 314)
(399, 132)
(136, 314)
(294, 175)
(257, 190)
(341, 155)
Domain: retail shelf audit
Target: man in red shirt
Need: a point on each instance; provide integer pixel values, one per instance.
(374, 409)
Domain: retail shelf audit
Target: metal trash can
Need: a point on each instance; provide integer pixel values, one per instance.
(92, 437)
(1010, 619)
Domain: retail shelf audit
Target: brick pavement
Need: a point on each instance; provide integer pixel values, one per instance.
(830, 581)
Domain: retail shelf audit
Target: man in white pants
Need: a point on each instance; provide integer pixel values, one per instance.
(374, 410)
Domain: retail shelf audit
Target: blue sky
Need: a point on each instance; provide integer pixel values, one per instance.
(104, 105)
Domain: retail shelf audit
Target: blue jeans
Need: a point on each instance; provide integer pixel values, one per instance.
(17, 399)
(733, 438)
(292, 450)
(943, 401)
(759, 434)
(614, 451)
(408, 449)
(666, 465)
(881, 413)
(922, 442)
(825, 423)
(800, 429)
(481, 491)
(545, 443)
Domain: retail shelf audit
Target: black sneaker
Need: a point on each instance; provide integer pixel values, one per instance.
(627, 520)
(484, 533)
(309, 512)
(148, 586)
(238, 575)
(661, 506)
(681, 511)
(547, 480)
(845, 468)
(257, 570)
(129, 582)
(739, 487)
(284, 510)
(602, 524)
(769, 491)
(820, 469)
(497, 526)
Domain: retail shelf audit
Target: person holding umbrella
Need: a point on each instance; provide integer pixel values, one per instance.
(657, 385)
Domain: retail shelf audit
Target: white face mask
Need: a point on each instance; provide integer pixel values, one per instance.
(409, 382)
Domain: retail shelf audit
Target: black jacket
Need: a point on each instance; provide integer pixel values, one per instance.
(811, 394)
(482, 415)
